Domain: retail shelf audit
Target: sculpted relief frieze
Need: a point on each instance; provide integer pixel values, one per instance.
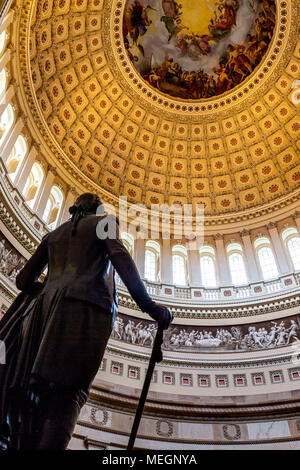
(11, 262)
(211, 339)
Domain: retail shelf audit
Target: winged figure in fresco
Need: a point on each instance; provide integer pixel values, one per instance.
(171, 17)
(173, 25)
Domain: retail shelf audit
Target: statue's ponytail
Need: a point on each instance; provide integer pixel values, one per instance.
(85, 204)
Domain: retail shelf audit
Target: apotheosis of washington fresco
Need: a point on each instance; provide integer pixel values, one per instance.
(197, 49)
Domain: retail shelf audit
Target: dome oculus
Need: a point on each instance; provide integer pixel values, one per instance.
(197, 48)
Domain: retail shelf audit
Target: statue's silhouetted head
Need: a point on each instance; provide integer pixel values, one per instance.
(86, 203)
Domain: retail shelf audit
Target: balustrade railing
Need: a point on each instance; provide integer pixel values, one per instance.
(202, 294)
(297, 278)
(211, 294)
(243, 292)
(273, 286)
(182, 293)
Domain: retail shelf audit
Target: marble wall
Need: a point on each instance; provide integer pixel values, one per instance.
(103, 428)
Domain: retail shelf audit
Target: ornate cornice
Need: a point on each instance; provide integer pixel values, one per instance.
(157, 408)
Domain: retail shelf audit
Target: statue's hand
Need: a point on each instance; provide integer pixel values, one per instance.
(162, 315)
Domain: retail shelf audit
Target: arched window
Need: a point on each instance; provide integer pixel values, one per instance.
(236, 264)
(128, 241)
(16, 156)
(2, 41)
(266, 258)
(291, 238)
(53, 206)
(3, 80)
(179, 261)
(208, 266)
(152, 253)
(33, 183)
(6, 121)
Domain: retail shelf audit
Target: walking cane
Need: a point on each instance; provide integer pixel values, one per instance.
(156, 356)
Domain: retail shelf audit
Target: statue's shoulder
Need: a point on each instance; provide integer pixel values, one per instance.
(58, 232)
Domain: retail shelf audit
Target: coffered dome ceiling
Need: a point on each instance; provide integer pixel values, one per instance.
(147, 100)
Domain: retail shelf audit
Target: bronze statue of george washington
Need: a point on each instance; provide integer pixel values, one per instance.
(56, 331)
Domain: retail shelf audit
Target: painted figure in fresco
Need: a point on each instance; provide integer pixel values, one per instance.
(173, 25)
(224, 82)
(194, 46)
(136, 21)
(238, 63)
(171, 17)
(269, 10)
(225, 18)
(203, 44)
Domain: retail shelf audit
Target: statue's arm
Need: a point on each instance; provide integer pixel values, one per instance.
(27, 279)
(129, 274)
